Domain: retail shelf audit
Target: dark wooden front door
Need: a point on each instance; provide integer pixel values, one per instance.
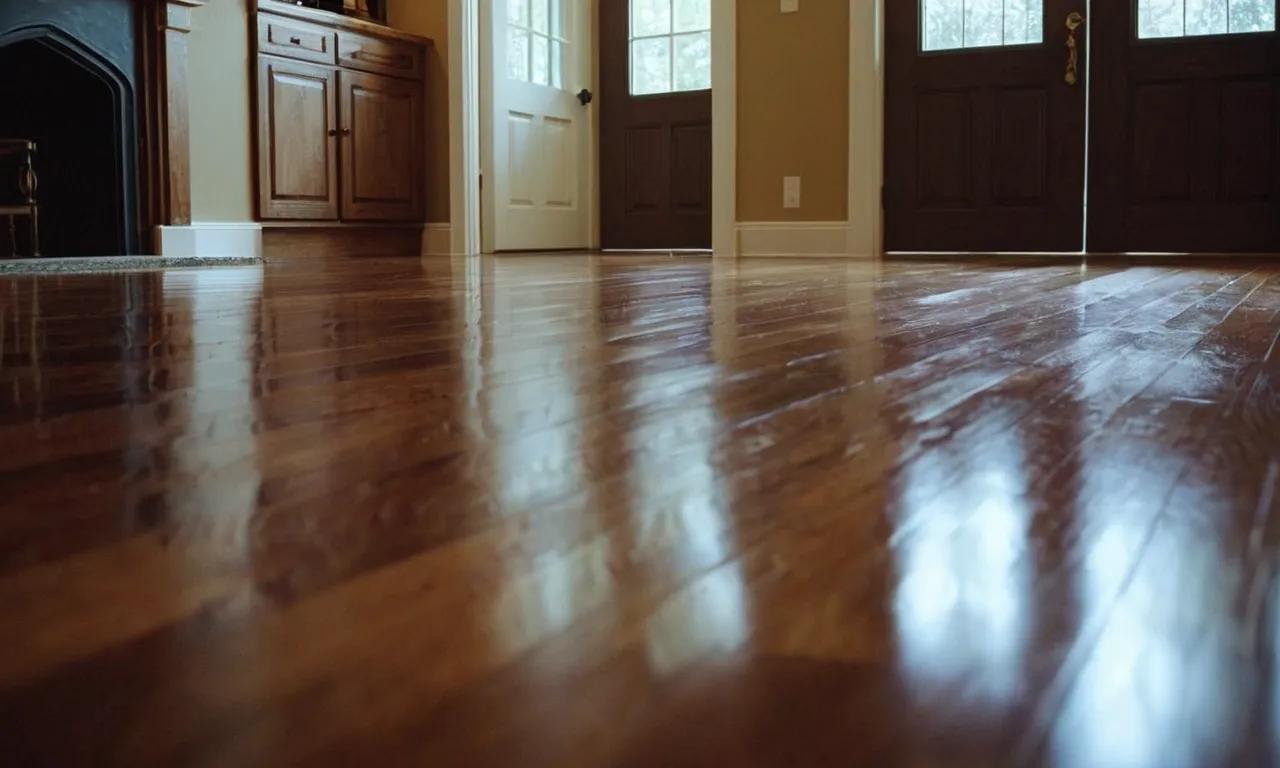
(985, 139)
(655, 126)
(1185, 127)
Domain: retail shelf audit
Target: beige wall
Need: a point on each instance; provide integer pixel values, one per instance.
(429, 18)
(221, 146)
(793, 109)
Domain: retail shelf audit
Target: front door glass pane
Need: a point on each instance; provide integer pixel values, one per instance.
(670, 46)
(1194, 18)
(955, 24)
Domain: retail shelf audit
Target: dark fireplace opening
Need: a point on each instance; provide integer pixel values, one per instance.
(66, 83)
(71, 112)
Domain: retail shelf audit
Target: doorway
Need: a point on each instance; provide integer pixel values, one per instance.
(1032, 126)
(655, 124)
(567, 165)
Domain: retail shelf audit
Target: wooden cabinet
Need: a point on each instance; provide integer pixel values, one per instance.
(341, 119)
(297, 137)
(382, 150)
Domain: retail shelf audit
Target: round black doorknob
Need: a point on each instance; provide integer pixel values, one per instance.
(585, 96)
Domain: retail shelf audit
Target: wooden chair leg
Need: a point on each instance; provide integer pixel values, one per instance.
(35, 232)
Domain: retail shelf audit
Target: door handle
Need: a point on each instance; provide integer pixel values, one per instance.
(1074, 20)
(585, 96)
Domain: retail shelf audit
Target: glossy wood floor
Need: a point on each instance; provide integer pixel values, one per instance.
(637, 511)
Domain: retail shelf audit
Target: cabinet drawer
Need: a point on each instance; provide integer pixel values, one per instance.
(296, 40)
(380, 56)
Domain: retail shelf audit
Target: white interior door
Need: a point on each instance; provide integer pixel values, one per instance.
(536, 138)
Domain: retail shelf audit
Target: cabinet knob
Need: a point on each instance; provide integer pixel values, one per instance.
(346, 131)
(333, 131)
(296, 40)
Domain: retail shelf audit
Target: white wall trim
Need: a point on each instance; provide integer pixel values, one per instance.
(211, 239)
(866, 128)
(793, 238)
(464, 125)
(437, 239)
(724, 128)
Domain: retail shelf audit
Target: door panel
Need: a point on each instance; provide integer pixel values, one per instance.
(655, 124)
(1185, 127)
(984, 145)
(382, 152)
(537, 139)
(298, 175)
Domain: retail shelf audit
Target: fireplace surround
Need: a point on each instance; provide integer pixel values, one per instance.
(109, 80)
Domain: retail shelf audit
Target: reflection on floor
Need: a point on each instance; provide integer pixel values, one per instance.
(640, 511)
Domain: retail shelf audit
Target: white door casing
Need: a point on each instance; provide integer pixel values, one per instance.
(536, 137)
(467, 64)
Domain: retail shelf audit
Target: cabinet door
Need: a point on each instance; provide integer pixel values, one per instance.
(382, 148)
(297, 133)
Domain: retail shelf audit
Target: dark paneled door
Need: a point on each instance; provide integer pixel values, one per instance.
(1185, 127)
(655, 124)
(985, 136)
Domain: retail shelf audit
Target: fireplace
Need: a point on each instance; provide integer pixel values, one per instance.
(113, 73)
(68, 81)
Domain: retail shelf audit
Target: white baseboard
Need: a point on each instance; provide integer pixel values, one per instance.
(793, 238)
(437, 239)
(211, 239)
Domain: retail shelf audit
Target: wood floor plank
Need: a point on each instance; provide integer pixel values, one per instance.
(624, 510)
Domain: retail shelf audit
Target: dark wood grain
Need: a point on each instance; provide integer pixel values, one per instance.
(1184, 139)
(655, 153)
(984, 146)
(582, 510)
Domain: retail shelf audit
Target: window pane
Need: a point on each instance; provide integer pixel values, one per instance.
(518, 12)
(943, 24)
(541, 60)
(650, 17)
(1252, 16)
(557, 64)
(1160, 18)
(517, 54)
(557, 18)
(983, 23)
(951, 24)
(1206, 17)
(1186, 18)
(651, 66)
(538, 15)
(1023, 22)
(693, 62)
(692, 15)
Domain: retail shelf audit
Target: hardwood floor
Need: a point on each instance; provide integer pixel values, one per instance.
(638, 511)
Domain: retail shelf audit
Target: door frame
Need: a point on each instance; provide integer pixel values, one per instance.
(866, 128)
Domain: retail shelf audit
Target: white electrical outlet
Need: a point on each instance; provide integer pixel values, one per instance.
(790, 6)
(791, 192)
